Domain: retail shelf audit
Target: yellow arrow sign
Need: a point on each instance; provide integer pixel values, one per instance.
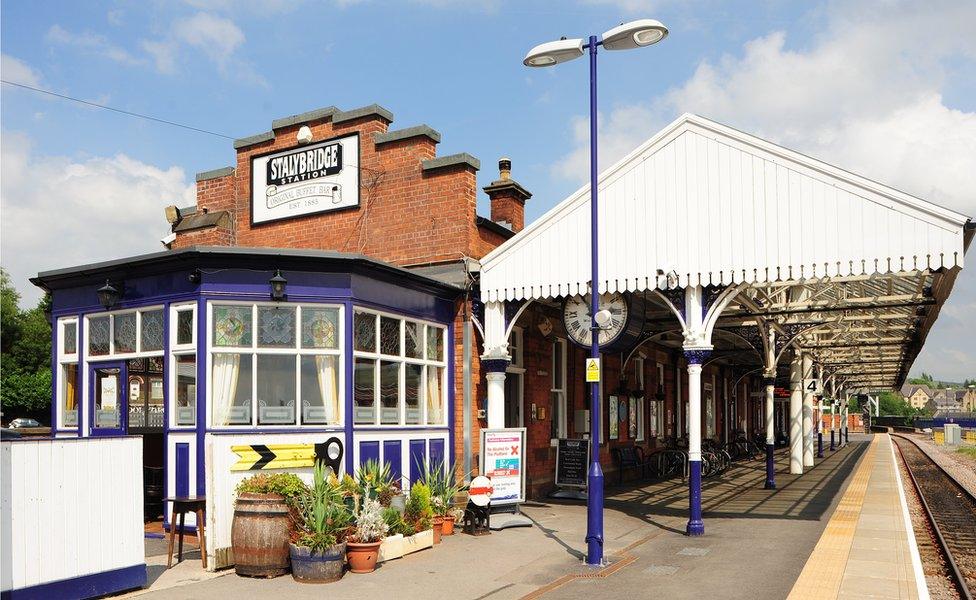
(256, 457)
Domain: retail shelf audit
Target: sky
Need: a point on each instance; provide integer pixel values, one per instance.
(886, 89)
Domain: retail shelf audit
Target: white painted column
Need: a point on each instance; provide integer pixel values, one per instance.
(843, 417)
(807, 364)
(796, 416)
(494, 362)
(694, 412)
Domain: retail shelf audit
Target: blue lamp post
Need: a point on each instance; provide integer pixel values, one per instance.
(627, 36)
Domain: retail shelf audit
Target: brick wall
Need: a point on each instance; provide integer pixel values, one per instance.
(407, 215)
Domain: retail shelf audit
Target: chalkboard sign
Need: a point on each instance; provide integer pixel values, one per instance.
(572, 456)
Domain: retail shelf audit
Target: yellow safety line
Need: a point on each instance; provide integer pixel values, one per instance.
(824, 572)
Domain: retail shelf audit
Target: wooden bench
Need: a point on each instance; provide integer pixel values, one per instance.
(629, 457)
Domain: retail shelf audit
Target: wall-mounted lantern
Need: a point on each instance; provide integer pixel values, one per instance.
(278, 286)
(109, 294)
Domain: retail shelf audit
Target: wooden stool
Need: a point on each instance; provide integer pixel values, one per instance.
(181, 506)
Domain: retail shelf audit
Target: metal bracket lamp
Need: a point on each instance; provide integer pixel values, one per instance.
(279, 286)
(109, 295)
(626, 36)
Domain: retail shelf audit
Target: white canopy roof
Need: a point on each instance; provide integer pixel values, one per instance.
(718, 206)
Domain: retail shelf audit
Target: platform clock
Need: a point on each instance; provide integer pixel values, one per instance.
(623, 329)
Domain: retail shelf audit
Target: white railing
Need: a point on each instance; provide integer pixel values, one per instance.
(71, 516)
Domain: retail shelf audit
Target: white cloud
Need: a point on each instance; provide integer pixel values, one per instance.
(867, 94)
(91, 42)
(60, 211)
(217, 38)
(17, 71)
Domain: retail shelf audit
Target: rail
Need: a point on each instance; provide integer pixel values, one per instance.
(963, 583)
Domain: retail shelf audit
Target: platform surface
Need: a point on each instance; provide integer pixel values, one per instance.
(868, 548)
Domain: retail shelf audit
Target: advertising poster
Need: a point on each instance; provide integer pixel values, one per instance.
(503, 461)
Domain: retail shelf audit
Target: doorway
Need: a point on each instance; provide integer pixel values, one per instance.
(513, 400)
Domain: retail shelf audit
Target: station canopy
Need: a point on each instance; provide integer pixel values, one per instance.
(846, 268)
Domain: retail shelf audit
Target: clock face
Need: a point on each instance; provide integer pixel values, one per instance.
(576, 317)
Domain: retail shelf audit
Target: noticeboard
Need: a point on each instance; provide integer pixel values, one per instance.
(572, 459)
(503, 461)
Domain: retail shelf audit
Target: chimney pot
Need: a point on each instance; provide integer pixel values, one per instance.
(505, 168)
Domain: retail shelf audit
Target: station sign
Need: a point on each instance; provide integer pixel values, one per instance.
(306, 180)
(503, 462)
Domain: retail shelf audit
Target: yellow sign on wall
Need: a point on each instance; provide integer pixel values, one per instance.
(593, 370)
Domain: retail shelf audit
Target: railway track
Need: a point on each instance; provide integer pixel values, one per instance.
(951, 511)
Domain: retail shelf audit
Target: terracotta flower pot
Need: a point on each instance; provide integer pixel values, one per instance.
(438, 522)
(362, 557)
(447, 527)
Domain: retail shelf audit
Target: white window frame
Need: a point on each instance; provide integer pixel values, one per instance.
(516, 370)
(402, 359)
(64, 359)
(177, 350)
(254, 351)
(558, 388)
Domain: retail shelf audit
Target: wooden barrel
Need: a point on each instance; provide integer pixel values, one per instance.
(260, 535)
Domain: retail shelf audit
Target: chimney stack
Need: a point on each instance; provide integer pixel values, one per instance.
(507, 198)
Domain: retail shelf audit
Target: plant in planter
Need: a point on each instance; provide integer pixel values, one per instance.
(318, 542)
(443, 481)
(418, 516)
(363, 544)
(393, 545)
(263, 516)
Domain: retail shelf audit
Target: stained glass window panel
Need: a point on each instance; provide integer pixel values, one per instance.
(98, 336)
(232, 325)
(414, 339)
(365, 335)
(390, 336)
(70, 337)
(152, 331)
(435, 343)
(184, 327)
(319, 327)
(276, 327)
(125, 333)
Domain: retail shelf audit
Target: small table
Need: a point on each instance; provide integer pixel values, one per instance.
(181, 506)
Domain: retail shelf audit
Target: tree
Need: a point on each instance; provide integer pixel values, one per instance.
(25, 355)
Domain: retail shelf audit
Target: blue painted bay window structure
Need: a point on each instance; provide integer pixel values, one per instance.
(197, 357)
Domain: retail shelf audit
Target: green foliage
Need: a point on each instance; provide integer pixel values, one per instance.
(419, 512)
(288, 485)
(25, 363)
(969, 451)
(321, 518)
(443, 482)
(891, 404)
(376, 481)
(925, 379)
(395, 523)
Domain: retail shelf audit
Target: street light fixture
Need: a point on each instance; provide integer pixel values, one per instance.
(635, 34)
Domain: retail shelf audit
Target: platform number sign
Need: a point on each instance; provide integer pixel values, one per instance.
(812, 386)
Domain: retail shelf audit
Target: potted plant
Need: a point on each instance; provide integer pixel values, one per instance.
(262, 522)
(443, 482)
(418, 516)
(363, 544)
(318, 543)
(392, 545)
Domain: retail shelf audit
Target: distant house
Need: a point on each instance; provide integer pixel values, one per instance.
(917, 395)
(967, 399)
